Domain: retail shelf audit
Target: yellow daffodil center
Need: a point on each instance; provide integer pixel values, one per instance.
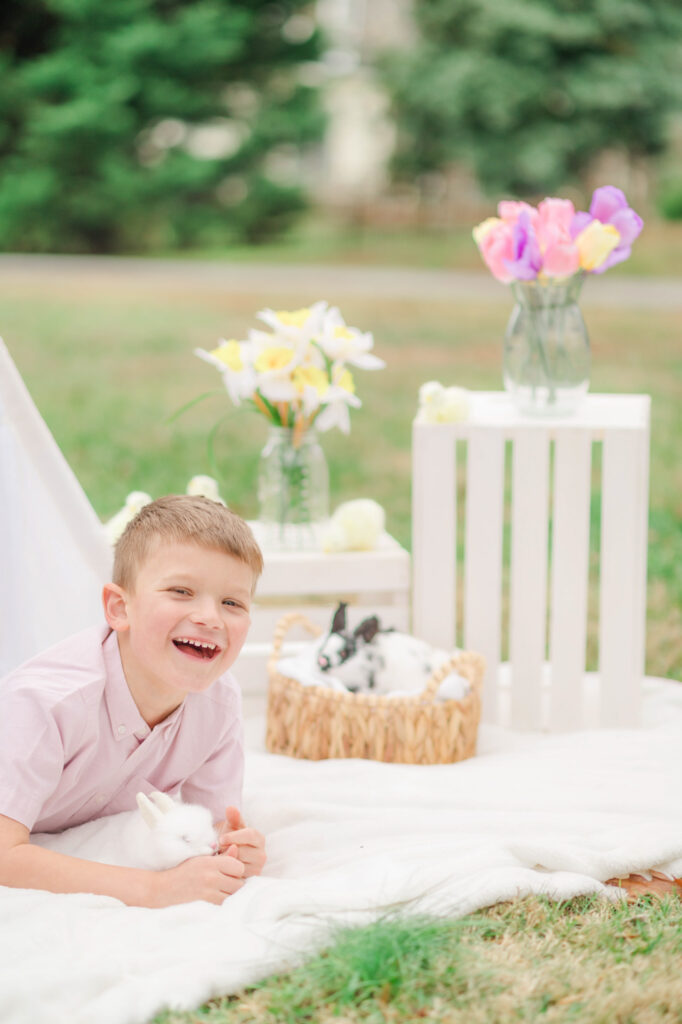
(310, 377)
(343, 332)
(344, 380)
(277, 357)
(294, 318)
(230, 354)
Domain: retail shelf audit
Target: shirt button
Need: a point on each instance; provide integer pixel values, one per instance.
(122, 730)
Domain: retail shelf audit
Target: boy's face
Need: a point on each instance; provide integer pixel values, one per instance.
(185, 621)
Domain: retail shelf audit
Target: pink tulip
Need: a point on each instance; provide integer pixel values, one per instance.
(511, 209)
(494, 239)
(560, 256)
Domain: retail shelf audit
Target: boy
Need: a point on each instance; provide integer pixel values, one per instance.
(145, 703)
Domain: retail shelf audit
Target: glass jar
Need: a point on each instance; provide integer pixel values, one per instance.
(546, 348)
(293, 489)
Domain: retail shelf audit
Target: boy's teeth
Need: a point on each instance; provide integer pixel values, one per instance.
(195, 643)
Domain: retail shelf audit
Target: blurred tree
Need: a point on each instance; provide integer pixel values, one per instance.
(527, 92)
(138, 123)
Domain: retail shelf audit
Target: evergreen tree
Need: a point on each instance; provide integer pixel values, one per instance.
(526, 92)
(137, 123)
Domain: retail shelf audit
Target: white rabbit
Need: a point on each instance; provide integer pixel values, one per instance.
(160, 834)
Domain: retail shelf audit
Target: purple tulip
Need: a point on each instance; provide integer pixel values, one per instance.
(610, 206)
(527, 257)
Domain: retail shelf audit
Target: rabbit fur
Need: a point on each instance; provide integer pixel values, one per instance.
(161, 833)
(370, 659)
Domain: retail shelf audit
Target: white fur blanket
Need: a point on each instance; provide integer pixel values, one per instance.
(350, 840)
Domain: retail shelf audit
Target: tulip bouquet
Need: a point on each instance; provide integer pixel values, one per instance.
(297, 373)
(544, 253)
(553, 241)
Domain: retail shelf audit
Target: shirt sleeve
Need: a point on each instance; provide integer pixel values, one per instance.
(31, 756)
(218, 782)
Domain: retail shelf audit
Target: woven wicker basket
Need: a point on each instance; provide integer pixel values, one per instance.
(316, 722)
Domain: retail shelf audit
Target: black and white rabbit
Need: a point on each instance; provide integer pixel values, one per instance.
(370, 659)
(161, 833)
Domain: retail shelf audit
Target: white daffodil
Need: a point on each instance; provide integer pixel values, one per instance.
(115, 526)
(312, 384)
(274, 365)
(233, 360)
(296, 327)
(341, 343)
(204, 487)
(337, 400)
(438, 404)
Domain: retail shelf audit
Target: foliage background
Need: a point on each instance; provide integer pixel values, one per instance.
(527, 92)
(145, 123)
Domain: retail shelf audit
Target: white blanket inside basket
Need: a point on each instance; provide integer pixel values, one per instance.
(303, 667)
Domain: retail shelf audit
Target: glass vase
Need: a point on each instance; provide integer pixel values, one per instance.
(546, 349)
(293, 489)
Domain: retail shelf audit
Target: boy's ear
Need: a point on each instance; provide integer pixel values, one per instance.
(115, 605)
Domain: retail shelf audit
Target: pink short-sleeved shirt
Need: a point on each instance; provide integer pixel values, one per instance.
(73, 745)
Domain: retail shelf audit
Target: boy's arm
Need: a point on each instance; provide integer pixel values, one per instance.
(26, 866)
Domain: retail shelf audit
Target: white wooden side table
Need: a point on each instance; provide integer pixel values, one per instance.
(313, 582)
(546, 526)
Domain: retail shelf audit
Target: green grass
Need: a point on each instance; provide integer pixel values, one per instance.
(109, 369)
(528, 961)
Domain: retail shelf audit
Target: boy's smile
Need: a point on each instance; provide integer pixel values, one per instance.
(182, 625)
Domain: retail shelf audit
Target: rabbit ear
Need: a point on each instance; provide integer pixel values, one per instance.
(151, 815)
(163, 801)
(339, 620)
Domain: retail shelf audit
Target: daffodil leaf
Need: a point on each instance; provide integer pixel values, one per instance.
(194, 401)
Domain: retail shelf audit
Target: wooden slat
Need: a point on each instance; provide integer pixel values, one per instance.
(434, 509)
(622, 596)
(570, 565)
(311, 572)
(528, 586)
(483, 557)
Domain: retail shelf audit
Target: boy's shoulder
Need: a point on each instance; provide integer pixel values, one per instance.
(74, 665)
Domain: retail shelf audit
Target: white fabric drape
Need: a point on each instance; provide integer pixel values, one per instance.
(55, 556)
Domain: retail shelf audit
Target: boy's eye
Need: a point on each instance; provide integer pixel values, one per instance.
(179, 590)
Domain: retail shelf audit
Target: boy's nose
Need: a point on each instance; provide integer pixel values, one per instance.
(205, 613)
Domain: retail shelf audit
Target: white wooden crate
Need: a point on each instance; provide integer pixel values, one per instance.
(545, 676)
(312, 582)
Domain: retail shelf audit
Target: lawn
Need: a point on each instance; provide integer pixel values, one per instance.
(108, 368)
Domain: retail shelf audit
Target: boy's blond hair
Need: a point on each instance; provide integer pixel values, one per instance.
(180, 518)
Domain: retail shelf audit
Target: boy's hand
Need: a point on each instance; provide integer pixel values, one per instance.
(200, 878)
(250, 843)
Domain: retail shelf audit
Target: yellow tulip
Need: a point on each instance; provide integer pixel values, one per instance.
(482, 229)
(595, 243)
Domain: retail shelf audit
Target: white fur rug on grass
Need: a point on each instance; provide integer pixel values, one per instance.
(349, 841)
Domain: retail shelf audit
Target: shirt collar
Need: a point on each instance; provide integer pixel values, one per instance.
(124, 715)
